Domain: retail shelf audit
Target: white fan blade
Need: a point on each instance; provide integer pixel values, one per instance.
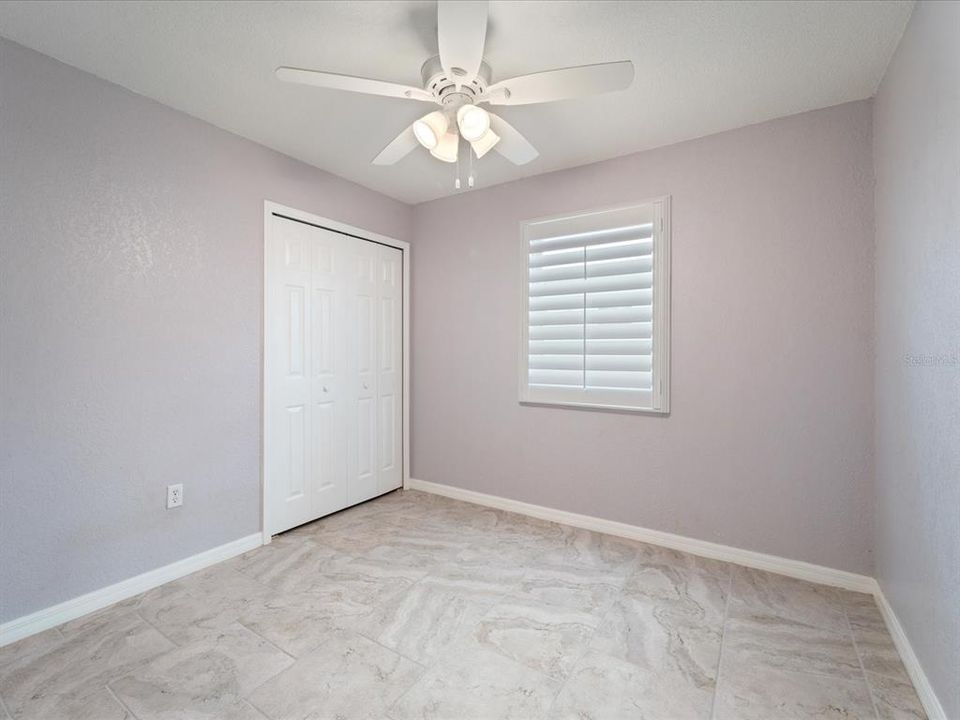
(402, 145)
(561, 84)
(461, 33)
(350, 83)
(513, 146)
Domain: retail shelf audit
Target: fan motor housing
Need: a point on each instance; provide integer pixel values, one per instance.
(443, 87)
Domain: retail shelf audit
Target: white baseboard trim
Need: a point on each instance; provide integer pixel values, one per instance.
(761, 561)
(929, 699)
(703, 548)
(77, 607)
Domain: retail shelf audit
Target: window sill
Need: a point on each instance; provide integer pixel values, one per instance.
(626, 409)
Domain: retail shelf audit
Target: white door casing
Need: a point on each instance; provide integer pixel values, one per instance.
(334, 380)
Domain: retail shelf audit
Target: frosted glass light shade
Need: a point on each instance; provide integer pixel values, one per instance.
(430, 129)
(473, 121)
(447, 147)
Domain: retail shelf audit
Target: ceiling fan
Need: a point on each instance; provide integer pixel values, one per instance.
(459, 81)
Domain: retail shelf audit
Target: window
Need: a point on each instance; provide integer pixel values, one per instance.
(596, 322)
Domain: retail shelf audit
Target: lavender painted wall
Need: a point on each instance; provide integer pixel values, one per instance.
(917, 159)
(130, 313)
(768, 446)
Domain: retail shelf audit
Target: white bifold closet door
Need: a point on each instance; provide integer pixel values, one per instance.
(333, 372)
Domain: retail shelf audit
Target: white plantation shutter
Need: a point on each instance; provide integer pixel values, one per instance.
(596, 289)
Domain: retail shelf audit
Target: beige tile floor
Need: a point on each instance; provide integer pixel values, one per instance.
(416, 606)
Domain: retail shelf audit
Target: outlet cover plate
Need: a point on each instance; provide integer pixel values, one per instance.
(174, 495)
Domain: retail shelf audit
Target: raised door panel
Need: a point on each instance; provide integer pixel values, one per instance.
(329, 373)
(294, 432)
(288, 465)
(364, 427)
(390, 369)
(294, 328)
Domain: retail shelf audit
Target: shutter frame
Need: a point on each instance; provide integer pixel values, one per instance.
(619, 316)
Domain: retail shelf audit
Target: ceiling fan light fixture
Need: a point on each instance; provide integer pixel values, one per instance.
(429, 129)
(473, 121)
(485, 143)
(447, 147)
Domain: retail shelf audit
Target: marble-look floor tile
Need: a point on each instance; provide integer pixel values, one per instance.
(602, 687)
(481, 582)
(662, 636)
(348, 677)
(861, 608)
(531, 527)
(547, 638)
(895, 699)
(336, 619)
(655, 556)
(422, 622)
(472, 682)
(509, 551)
(281, 564)
(355, 538)
(96, 703)
(35, 685)
(404, 550)
(762, 593)
(365, 519)
(222, 582)
(479, 518)
(205, 679)
(99, 619)
(368, 581)
(22, 651)
(776, 643)
(699, 593)
(754, 693)
(184, 616)
(298, 622)
(878, 653)
(581, 588)
(577, 546)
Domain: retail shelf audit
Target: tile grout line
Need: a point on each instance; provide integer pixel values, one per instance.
(247, 701)
(723, 636)
(427, 668)
(158, 630)
(270, 643)
(586, 649)
(390, 649)
(863, 670)
(120, 702)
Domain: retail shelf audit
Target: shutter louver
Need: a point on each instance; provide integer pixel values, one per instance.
(590, 291)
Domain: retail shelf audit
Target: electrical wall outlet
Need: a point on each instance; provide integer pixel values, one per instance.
(174, 495)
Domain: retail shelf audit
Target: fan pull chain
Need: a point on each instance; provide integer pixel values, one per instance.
(470, 177)
(456, 182)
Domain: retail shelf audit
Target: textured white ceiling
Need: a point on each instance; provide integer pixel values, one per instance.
(701, 67)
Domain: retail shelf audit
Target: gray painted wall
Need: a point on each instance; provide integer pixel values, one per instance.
(130, 313)
(769, 443)
(917, 157)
